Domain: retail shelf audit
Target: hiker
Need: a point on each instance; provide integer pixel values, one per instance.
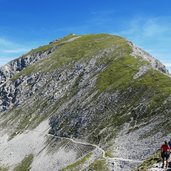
(165, 154)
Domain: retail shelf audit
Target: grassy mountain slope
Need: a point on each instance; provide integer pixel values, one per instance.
(93, 88)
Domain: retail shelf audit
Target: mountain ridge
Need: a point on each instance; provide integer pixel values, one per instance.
(100, 89)
(22, 62)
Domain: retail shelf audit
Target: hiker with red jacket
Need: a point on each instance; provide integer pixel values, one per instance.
(165, 154)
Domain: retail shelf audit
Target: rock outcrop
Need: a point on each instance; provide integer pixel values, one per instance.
(95, 89)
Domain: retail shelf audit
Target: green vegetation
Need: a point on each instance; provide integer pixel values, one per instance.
(158, 87)
(59, 42)
(33, 68)
(153, 86)
(44, 48)
(75, 166)
(18, 120)
(24, 72)
(109, 154)
(2, 168)
(159, 83)
(151, 90)
(69, 36)
(84, 47)
(25, 164)
(118, 75)
(99, 165)
(30, 116)
(155, 158)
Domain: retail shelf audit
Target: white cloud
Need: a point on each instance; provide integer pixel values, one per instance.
(167, 64)
(9, 50)
(8, 46)
(153, 27)
(158, 28)
(18, 50)
(152, 34)
(6, 43)
(4, 60)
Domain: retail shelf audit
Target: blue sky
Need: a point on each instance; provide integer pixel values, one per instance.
(26, 24)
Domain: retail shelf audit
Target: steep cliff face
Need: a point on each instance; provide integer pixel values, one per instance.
(99, 89)
(156, 64)
(9, 90)
(9, 70)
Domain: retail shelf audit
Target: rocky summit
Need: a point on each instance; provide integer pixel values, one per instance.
(83, 103)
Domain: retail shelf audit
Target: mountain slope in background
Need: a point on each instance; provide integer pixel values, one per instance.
(87, 102)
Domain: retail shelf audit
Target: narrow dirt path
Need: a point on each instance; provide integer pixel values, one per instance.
(92, 145)
(99, 148)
